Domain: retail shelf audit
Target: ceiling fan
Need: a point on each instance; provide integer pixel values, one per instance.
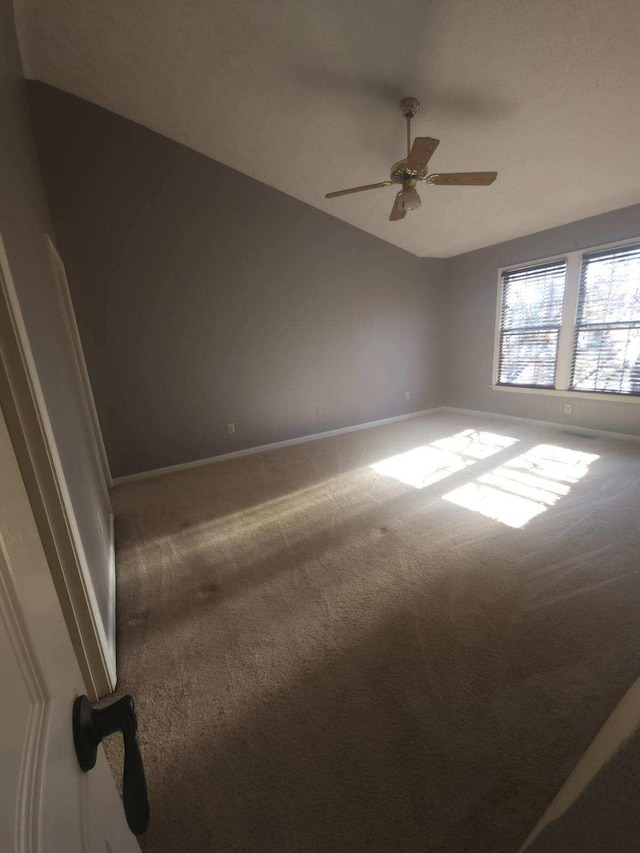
(409, 171)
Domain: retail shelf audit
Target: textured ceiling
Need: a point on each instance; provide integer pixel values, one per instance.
(303, 95)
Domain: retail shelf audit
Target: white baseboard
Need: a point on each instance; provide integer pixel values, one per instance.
(573, 428)
(276, 445)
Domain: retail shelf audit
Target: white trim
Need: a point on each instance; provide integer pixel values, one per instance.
(38, 729)
(572, 428)
(533, 262)
(495, 366)
(561, 392)
(617, 728)
(276, 445)
(66, 303)
(564, 359)
(107, 658)
(111, 582)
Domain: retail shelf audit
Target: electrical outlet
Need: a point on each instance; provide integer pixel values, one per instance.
(231, 428)
(318, 413)
(568, 409)
(99, 520)
(407, 395)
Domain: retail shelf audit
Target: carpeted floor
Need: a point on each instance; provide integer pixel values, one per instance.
(330, 657)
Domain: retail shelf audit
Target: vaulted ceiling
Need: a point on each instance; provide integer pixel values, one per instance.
(303, 95)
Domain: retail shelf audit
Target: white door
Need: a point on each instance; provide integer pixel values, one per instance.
(47, 804)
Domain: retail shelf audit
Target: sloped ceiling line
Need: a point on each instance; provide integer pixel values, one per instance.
(303, 95)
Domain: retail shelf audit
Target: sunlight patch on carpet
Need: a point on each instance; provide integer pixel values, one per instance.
(525, 486)
(423, 466)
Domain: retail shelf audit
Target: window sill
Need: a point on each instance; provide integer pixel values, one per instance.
(580, 395)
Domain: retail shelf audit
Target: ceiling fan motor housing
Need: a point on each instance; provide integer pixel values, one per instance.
(400, 173)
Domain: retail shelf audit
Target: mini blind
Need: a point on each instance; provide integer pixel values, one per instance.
(530, 318)
(606, 351)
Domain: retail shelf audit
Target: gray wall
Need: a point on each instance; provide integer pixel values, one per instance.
(472, 292)
(24, 220)
(204, 297)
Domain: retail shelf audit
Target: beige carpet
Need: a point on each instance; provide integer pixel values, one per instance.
(330, 657)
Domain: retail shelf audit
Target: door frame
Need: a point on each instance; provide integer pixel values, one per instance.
(32, 436)
(46, 802)
(66, 305)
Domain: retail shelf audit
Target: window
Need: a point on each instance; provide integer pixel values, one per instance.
(606, 354)
(572, 325)
(530, 322)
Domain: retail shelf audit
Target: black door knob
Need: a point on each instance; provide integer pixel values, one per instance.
(90, 726)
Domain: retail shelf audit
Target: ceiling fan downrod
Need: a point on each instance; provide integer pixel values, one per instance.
(410, 107)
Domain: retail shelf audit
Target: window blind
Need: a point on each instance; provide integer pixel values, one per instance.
(530, 318)
(606, 352)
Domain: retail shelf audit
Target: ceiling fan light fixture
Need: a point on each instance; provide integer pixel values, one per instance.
(410, 199)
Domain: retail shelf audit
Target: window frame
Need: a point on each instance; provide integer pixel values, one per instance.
(500, 331)
(568, 323)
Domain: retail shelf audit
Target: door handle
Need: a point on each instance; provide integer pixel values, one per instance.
(90, 726)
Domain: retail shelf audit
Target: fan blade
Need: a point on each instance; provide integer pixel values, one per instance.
(359, 189)
(463, 179)
(421, 151)
(397, 211)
